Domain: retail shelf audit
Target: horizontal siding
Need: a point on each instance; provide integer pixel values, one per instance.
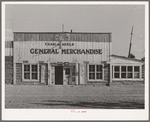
(88, 37)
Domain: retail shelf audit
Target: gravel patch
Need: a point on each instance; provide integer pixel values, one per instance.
(75, 97)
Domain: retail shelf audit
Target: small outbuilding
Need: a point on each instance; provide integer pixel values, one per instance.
(124, 68)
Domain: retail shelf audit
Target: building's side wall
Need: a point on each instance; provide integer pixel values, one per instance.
(8, 69)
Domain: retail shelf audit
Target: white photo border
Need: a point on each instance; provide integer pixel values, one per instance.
(65, 114)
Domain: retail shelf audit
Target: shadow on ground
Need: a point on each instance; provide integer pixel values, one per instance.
(90, 105)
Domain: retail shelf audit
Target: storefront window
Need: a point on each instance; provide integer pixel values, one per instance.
(95, 72)
(123, 71)
(91, 71)
(26, 71)
(136, 72)
(128, 72)
(30, 72)
(34, 72)
(116, 71)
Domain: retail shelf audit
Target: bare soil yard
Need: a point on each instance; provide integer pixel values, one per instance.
(122, 96)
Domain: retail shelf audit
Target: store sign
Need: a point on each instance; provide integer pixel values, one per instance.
(65, 51)
(57, 44)
(71, 51)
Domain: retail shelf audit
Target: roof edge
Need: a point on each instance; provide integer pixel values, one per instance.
(123, 57)
(69, 32)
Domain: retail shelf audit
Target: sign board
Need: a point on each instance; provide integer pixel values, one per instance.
(71, 51)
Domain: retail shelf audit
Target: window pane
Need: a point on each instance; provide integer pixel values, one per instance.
(136, 68)
(26, 67)
(26, 75)
(99, 68)
(130, 68)
(67, 71)
(123, 75)
(129, 75)
(34, 68)
(116, 75)
(123, 68)
(91, 68)
(91, 75)
(98, 75)
(136, 75)
(116, 68)
(34, 75)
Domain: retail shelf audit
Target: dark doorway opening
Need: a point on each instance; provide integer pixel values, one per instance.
(58, 75)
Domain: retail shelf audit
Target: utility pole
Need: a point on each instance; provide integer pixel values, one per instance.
(130, 43)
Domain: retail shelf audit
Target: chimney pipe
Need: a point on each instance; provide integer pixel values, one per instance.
(71, 31)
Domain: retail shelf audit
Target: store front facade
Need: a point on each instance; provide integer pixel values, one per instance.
(61, 58)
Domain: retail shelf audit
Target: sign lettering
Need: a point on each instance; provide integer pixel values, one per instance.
(65, 51)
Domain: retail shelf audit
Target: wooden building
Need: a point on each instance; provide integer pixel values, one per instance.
(124, 68)
(64, 58)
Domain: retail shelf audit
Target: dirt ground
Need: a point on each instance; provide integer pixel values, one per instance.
(122, 96)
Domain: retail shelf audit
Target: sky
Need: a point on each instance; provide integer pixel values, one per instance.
(117, 19)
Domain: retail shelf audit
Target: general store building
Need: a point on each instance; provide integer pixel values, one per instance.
(66, 58)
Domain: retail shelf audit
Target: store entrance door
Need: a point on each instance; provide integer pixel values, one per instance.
(58, 75)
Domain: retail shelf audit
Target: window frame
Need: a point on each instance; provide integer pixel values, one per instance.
(120, 77)
(30, 72)
(90, 80)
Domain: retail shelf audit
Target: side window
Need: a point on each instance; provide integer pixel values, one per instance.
(34, 72)
(95, 72)
(30, 72)
(136, 72)
(91, 72)
(98, 71)
(126, 72)
(129, 72)
(116, 71)
(26, 71)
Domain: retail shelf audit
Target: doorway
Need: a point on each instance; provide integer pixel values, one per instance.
(58, 75)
